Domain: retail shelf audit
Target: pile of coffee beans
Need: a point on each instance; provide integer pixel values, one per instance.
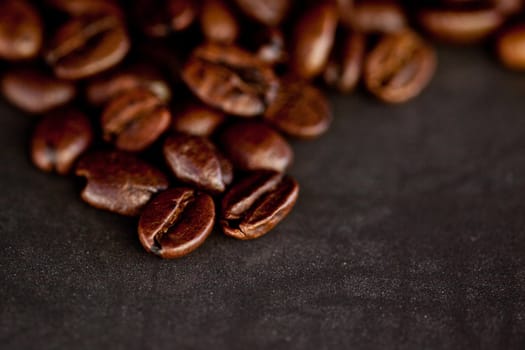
(178, 111)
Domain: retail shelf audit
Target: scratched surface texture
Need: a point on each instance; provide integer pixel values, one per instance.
(409, 234)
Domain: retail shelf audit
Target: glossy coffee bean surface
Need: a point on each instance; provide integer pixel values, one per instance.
(119, 182)
(268, 12)
(378, 16)
(197, 119)
(510, 47)
(176, 222)
(218, 23)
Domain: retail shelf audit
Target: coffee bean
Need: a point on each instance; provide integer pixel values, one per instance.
(255, 205)
(119, 182)
(299, 110)
(59, 139)
(271, 46)
(176, 222)
(399, 67)
(88, 45)
(195, 160)
(20, 30)
(509, 7)
(345, 8)
(460, 26)
(35, 91)
(346, 63)
(313, 38)
(510, 47)
(198, 120)
(378, 16)
(159, 18)
(218, 22)
(108, 86)
(230, 79)
(268, 12)
(135, 119)
(87, 7)
(253, 145)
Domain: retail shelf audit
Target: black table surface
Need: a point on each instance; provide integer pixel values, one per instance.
(409, 233)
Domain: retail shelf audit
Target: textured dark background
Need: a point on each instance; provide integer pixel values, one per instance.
(409, 234)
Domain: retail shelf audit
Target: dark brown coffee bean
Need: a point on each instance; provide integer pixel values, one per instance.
(88, 45)
(195, 160)
(198, 120)
(59, 139)
(299, 110)
(509, 7)
(460, 26)
(35, 91)
(135, 119)
(218, 22)
(271, 46)
(230, 79)
(346, 63)
(313, 38)
(21, 30)
(254, 145)
(268, 12)
(378, 16)
(119, 182)
(510, 47)
(105, 88)
(399, 67)
(345, 8)
(87, 7)
(176, 222)
(255, 205)
(159, 18)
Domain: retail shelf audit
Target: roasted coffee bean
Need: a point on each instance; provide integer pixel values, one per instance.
(218, 22)
(271, 46)
(159, 18)
(510, 47)
(198, 120)
(59, 139)
(35, 91)
(509, 7)
(299, 110)
(195, 160)
(87, 7)
(88, 45)
(268, 12)
(460, 26)
(313, 38)
(255, 205)
(253, 145)
(345, 8)
(106, 87)
(119, 182)
(399, 67)
(230, 79)
(21, 30)
(378, 16)
(135, 119)
(346, 63)
(176, 222)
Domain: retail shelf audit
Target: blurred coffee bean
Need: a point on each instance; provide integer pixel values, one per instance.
(313, 38)
(196, 161)
(510, 47)
(378, 16)
(345, 8)
(88, 45)
(345, 66)
(118, 181)
(253, 145)
(34, 90)
(256, 204)
(462, 25)
(509, 7)
(87, 7)
(59, 139)
(231, 79)
(268, 12)
(271, 46)
(218, 22)
(108, 86)
(300, 110)
(399, 67)
(135, 119)
(21, 30)
(198, 120)
(159, 18)
(176, 222)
